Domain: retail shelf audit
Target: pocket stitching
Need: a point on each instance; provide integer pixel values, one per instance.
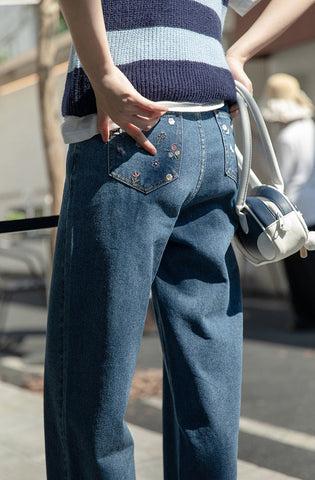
(229, 171)
(113, 164)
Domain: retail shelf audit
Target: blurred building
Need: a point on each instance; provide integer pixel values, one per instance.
(293, 52)
(18, 30)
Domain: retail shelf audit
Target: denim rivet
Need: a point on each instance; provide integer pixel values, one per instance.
(169, 177)
(225, 128)
(171, 121)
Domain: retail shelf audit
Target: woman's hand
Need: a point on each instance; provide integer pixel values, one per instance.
(237, 69)
(272, 22)
(118, 100)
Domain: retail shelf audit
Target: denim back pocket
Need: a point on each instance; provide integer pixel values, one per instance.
(224, 122)
(132, 165)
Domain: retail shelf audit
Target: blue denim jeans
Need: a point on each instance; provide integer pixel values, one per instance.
(130, 223)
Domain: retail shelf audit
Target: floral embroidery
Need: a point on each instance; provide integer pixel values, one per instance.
(121, 150)
(161, 137)
(135, 177)
(155, 163)
(173, 152)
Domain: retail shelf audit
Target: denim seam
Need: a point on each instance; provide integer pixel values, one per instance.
(160, 326)
(227, 168)
(149, 188)
(202, 159)
(63, 359)
(61, 385)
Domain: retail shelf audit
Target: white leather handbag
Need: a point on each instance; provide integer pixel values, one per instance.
(270, 226)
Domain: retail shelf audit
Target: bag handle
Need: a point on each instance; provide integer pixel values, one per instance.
(247, 176)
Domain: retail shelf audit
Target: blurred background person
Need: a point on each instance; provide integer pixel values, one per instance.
(287, 105)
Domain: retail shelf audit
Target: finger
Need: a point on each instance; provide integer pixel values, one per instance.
(140, 138)
(144, 104)
(103, 126)
(137, 109)
(144, 123)
(247, 83)
(141, 112)
(234, 111)
(157, 110)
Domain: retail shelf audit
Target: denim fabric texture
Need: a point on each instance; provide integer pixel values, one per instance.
(131, 222)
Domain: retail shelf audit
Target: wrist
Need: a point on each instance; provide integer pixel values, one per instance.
(99, 76)
(234, 55)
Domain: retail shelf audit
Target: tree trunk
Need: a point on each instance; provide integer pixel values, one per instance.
(48, 11)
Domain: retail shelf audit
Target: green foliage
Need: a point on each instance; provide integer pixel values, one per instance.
(15, 215)
(3, 56)
(62, 27)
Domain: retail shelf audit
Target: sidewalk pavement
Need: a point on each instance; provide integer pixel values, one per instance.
(22, 442)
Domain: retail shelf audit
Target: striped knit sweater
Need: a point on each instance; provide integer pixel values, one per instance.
(169, 49)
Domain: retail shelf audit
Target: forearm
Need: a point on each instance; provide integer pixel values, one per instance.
(115, 96)
(86, 24)
(275, 19)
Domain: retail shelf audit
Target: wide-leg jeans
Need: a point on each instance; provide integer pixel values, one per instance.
(131, 223)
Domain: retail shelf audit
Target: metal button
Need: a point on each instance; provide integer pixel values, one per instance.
(169, 177)
(225, 128)
(171, 121)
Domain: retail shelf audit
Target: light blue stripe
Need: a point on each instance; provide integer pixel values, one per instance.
(74, 61)
(161, 43)
(164, 43)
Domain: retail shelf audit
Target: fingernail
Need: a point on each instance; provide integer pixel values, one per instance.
(150, 149)
(153, 151)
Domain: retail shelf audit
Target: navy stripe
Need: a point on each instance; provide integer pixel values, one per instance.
(191, 15)
(156, 80)
(78, 98)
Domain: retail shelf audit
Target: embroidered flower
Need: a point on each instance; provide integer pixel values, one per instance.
(121, 150)
(161, 137)
(135, 177)
(173, 153)
(155, 163)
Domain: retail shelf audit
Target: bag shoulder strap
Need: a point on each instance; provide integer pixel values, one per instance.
(244, 100)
